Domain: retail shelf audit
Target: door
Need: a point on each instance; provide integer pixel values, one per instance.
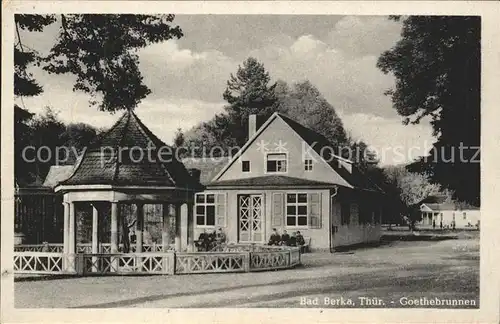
(250, 218)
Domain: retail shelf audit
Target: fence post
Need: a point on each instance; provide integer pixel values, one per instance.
(169, 263)
(80, 264)
(174, 263)
(247, 261)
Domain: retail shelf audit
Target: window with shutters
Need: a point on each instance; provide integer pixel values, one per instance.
(345, 213)
(205, 209)
(296, 210)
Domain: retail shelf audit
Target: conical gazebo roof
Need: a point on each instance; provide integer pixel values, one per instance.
(102, 163)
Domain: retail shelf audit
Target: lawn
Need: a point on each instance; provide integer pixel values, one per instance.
(431, 269)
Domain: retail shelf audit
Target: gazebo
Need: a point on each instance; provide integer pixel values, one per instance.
(128, 165)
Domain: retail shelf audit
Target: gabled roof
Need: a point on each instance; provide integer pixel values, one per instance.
(102, 163)
(317, 141)
(270, 181)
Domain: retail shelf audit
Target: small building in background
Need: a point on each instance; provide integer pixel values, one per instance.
(437, 211)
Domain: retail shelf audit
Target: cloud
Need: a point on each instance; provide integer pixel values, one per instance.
(163, 116)
(348, 82)
(364, 35)
(177, 72)
(307, 45)
(394, 142)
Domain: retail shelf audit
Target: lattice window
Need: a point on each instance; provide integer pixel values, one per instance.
(296, 209)
(308, 165)
(205, 209)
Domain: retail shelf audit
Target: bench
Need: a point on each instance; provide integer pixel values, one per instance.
(307, 245)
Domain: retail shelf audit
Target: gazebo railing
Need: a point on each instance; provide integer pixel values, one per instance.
(136, 263)
(39, 262)
(170, 262)
(86, 248)
(206, 262)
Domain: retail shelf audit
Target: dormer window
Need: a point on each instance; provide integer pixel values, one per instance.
(276, 163)
(245, 166)
(308, 164)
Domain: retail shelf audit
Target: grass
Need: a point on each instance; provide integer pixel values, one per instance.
(431, 269)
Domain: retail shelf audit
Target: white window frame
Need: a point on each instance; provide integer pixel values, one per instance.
(205, 204)
(308, 165)
(296, 204)
(276, 153)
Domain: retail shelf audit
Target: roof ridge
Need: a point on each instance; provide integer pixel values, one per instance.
(151, 137)
(288, 119)
(120, 144)
(147, 132)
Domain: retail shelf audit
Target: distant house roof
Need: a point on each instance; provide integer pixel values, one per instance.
(209, 167)
(269, 181)
(434, 199)
(57, 174)
(440, 207)
(102, 163)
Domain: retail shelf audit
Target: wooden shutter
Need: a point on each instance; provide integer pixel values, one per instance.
(278, 213)
(314, 201)
(220, 209)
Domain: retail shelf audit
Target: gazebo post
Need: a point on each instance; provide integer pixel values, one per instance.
(140, 227)
(66, 235)
(190, 226)
(95, 236)
(72, 238)
(165, 234)
(139, 232)
(114, 235)
(178, 242)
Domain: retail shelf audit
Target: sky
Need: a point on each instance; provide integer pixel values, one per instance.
(187, 77)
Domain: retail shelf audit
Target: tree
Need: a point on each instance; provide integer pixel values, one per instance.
(24, 83)
(100, 50)
(406, 189)
(46, 135)
(437, 66)
(22, 138)
(179, 138)
(304, 102)
(46, 130)
(76, 137)
(247, 92)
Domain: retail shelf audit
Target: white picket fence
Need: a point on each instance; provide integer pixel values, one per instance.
(234, 259)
